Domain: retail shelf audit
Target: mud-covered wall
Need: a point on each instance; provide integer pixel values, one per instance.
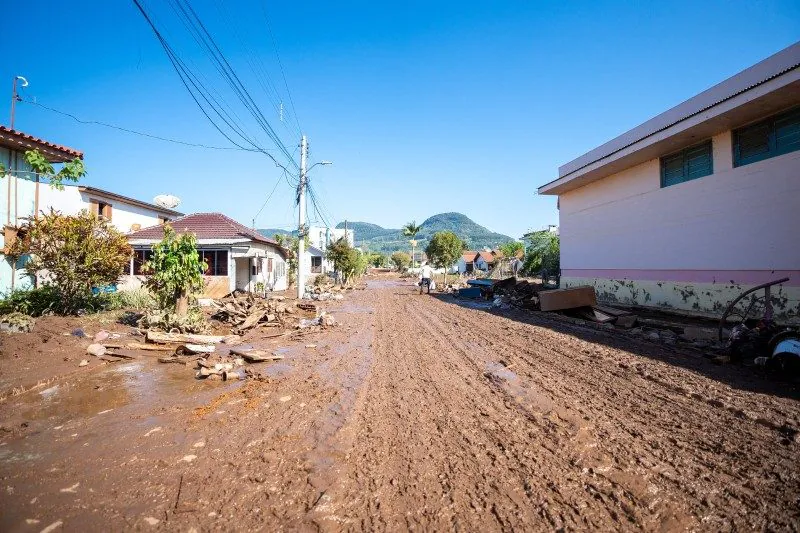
(707, 299)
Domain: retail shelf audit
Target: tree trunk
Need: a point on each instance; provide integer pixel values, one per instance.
(182, 304)
(444, 284)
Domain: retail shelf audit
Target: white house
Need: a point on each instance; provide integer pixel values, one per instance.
(695, 205)
(237, 257)
(466, 264)
(319, 238)
(23, 194)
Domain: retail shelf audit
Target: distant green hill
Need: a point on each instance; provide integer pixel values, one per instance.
(387, 240)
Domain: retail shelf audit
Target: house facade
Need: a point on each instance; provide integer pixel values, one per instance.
(466, 264)
(236, 256)
(696, 205)
(24, 194)
(319, 238)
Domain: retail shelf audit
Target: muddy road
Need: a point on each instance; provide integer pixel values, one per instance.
(414, 413)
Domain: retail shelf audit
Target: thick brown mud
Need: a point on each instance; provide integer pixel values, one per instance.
(413, 413)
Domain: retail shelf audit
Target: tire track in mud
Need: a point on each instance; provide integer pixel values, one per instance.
(696, 440)
(572, 434)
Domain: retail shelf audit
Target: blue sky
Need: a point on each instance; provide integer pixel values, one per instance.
(424, 107)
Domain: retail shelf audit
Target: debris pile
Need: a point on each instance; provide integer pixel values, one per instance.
(524, 294)
(247, 312)
(323, 293)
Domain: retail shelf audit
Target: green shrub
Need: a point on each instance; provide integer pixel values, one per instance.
(48, 300)
(130, 299)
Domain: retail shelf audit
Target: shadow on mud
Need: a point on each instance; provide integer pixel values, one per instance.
(738, 376)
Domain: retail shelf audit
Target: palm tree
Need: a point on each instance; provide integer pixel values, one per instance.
(410, 230)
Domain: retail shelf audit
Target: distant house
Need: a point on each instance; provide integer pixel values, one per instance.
(237, 256)
(24, 194)
(466, 264)
(320, 238)
(695, 205)
(485, 260)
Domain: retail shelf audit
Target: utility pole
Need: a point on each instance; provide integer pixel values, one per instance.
(301, 198)
(14, 97)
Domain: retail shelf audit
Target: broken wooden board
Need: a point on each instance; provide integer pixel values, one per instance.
(189, 348)
(149, 347)
(256, 356)
(559, 299)
(594, 315)
(160, 337)
(613, 311)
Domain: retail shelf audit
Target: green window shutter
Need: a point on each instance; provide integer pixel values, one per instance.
(774, 136)
(688, 164)
(787, 132)
(752, 144)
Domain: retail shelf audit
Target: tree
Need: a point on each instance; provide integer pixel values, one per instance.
(175, 271)
(401, 260)
(71, 171)
(75, 253)
(543, 255)
(410, 230)
(444, 249)
(377, 259)
(348, 261)
(511, 249)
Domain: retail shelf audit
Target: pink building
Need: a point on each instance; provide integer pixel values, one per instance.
(695, 205)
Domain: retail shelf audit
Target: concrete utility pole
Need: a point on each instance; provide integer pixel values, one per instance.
(301, 198)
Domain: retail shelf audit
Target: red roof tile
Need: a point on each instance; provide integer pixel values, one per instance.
(487, 256)
(206, 226)
(469, 256)
(55, 153)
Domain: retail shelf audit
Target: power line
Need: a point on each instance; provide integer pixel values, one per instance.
(143, 134)
(274, 188)
(200, 91)
(229, 74)
(280, 63)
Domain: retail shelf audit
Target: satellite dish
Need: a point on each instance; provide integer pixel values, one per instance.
(167, 200)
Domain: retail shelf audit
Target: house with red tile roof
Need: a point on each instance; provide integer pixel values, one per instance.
(24, 194)
(236, 256)
(466, 264)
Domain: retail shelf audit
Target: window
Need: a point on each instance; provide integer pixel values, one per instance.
(255, 267)
(688, 164)
(100, 209)
(216, 260)
(316, 264)
(269, 265)
(774, 136)
(104, 210)
(163, 220)
(140, 257)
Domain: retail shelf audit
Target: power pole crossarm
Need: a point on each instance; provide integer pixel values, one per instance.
(301, 198)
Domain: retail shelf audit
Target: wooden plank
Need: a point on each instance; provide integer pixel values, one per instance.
(590, 313)
(613, 311)
(558, 299)
(150, 347)
(183, 338)
(255, 356)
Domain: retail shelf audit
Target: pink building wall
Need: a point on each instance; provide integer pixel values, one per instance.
(709, 238)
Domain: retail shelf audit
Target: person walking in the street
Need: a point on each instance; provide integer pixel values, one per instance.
(425, 277)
